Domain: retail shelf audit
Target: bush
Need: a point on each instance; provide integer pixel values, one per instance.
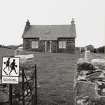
(101, 49)
(90, 48)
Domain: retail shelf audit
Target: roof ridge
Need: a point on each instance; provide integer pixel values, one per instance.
(51, 25)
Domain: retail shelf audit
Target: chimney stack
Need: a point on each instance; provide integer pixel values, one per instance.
(72, 21)
(27, 25)
(73, 28)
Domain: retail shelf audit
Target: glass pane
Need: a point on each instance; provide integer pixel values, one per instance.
(60, 44)
(34, 44)
(64, 44)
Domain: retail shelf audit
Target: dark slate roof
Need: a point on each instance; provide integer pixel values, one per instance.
(49, 32)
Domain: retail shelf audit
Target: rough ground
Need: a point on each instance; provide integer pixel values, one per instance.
(87, 89)
(55, 73)
(5, 52)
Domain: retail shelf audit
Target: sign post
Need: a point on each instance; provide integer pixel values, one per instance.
(10, 73)
(34, 95)
(10, 94)
(23, 98)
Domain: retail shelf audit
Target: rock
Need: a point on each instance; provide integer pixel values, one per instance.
(24, 58)
(95, 76)
(86, 89)
(81, 60)
(99, 63)
(86, 67)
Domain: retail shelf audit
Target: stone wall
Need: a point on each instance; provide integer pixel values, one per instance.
(90, 82)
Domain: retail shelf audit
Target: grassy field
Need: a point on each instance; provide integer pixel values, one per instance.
(5, 52)
(55, 72)
(56, 77)
(95, 56)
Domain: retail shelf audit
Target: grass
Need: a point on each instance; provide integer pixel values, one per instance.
(5, 52)
(95, 56)
(55, 74)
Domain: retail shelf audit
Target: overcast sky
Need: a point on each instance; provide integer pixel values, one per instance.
(89, 18)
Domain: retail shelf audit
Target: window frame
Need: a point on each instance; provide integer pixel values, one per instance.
(35, 44)
(62, 44)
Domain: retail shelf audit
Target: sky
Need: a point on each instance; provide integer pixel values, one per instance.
(89, 18)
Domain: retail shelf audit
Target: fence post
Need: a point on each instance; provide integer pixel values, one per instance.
(34, 92)
(10, 94)
(23, 87)
(35, 85)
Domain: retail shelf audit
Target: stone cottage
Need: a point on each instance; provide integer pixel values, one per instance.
(49, 38)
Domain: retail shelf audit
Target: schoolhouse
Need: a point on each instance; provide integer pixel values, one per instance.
(50, 38)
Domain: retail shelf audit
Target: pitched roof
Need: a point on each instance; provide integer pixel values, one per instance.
(49, 32)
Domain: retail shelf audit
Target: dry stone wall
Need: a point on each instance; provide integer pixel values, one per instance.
(90, 82)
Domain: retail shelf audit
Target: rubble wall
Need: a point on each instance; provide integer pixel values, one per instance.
(90, 82)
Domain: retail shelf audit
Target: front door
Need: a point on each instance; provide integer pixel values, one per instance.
(47, 46)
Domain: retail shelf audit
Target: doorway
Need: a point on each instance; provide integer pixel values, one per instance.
(48, 46)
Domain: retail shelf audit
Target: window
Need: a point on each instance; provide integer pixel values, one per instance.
(62, 44)
(34, 44)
